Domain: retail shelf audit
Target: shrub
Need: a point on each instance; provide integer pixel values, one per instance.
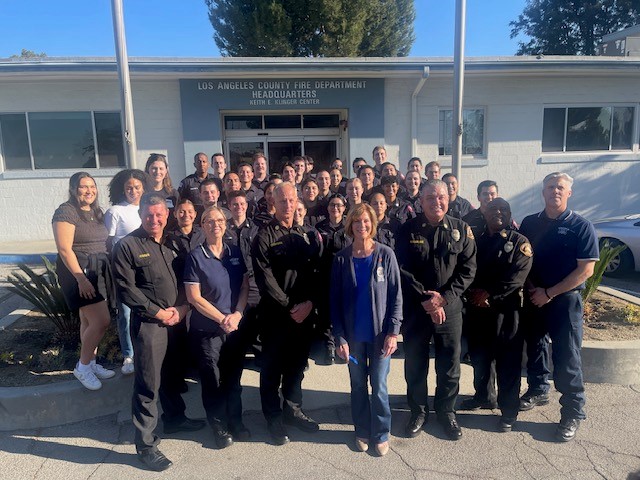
(607, 253)
(44, 292)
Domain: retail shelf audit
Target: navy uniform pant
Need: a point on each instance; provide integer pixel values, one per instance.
(285, 351)
(152, 382)
(562, 320)
(418, 330)
(497, 340)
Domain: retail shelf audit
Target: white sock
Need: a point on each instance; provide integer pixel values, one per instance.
(92, 363)
(82, 367)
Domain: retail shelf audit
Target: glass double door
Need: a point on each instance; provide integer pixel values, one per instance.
(323, 150)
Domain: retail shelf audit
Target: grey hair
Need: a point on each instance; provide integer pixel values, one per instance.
(561, 175)
(150, 199)
(434, 184)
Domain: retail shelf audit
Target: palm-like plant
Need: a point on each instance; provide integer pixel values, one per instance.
(607, 253)
(45, 293)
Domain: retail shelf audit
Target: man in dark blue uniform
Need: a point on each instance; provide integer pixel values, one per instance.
(494, 303)
(566, 250)
(458, 207)
(285, 264)
(190, 185)
(437, 258)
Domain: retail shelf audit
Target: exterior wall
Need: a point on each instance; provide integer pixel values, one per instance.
(167, 112)
(513, 132)
(28, 199)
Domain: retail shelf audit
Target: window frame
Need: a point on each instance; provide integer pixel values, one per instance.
(33, 172)
(485, 143)
(635, 130)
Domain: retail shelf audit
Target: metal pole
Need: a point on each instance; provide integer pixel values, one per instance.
(126, 115)
(458, 90)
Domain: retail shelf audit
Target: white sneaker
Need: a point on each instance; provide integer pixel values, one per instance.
(127, 366)
(101, 372)
(88, 379)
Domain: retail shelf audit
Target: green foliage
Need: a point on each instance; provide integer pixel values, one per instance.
(607, 253)
(567, 27)
(29, 54)
(44, 292)
(632, 314)
(312, 28)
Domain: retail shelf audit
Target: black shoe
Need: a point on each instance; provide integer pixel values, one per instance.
(278, 432)
(473, 404)
(451, 428)
(240, 433)
(415, 424)
(505, 424)
(527, 402)
(154, 460)
(222, 437)
(567, 429)
(186, 425)
(327, 357)
(301, 421)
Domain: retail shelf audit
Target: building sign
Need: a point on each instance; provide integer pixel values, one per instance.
(290, 92)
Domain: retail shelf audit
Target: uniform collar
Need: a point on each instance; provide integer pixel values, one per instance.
(207, 252)
(562, 217)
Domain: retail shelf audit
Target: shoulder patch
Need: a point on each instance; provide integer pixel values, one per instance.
(470, 233)
(526, 249)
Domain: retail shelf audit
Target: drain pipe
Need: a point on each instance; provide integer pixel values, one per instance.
(414, 111)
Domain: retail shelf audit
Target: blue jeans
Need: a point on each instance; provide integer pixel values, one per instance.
(124, 314)
(371, 416)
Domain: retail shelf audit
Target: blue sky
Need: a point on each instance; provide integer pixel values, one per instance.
(181, 28)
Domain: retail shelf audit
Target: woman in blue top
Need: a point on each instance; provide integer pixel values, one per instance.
(366, 313)
(217, 286)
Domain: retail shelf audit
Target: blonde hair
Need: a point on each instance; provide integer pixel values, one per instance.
(356, 213)
(207, 213)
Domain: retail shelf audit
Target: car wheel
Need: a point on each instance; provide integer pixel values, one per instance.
(620, 264)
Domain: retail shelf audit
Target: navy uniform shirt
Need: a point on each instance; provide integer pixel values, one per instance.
(387, 231)
(460, 207)
(190, 187)
(400, 210)
(440, 258)
(220, 281)
(242, 237)
(285, 265)
(503, 260)
(558, 245)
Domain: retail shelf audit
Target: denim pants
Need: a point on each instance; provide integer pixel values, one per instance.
(371, 415)
(124, 322)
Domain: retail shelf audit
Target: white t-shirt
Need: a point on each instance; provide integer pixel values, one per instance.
(121, 220)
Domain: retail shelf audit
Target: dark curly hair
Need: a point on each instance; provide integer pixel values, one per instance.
(116, 185)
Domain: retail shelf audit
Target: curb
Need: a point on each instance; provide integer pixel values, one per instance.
(615, 362)
(29, 259)
(61, 403)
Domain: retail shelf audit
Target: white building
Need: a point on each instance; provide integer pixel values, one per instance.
(525, 117)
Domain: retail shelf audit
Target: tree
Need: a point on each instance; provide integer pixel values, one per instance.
(312, 28)
(571, 27)
(29, 54)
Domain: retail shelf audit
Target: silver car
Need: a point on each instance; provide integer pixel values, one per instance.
(621, 231)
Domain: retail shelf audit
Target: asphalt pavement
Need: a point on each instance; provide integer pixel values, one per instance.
(606, 445)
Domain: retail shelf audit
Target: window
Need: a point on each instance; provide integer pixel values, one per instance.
(472, 132)
(574, 129)
(52, 140)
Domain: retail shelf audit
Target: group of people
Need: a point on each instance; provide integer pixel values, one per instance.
(202, 271)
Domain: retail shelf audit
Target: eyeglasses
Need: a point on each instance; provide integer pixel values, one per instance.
(336, 205)
(213, 221)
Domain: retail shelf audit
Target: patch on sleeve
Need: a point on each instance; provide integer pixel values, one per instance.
(526, 249)
(470, 233)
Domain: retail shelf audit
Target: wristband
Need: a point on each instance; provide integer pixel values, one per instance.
(547, 294)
